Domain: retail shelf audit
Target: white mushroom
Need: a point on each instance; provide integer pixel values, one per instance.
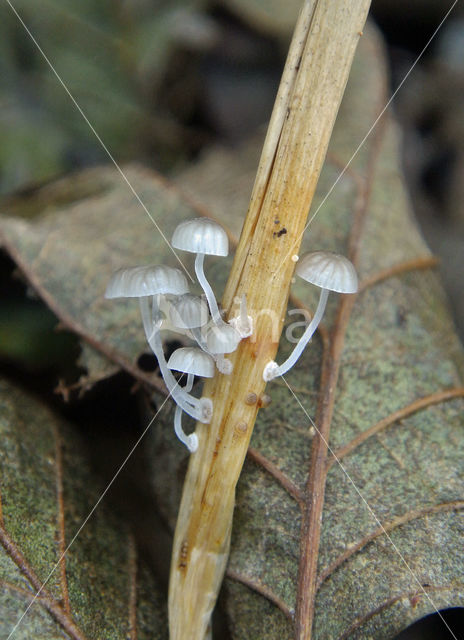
(193, 362)
(203, 237)
(145, 283)
(189, 312)
(331, 272)
(221, 339)
(150, 282)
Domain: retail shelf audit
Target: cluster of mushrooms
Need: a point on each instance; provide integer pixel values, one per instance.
(202, 321)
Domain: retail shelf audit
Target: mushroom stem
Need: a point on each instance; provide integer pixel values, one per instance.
(200, 409)
(243, 323)
(190, 441)
(146, 316)
(272, 369)
(205, 285)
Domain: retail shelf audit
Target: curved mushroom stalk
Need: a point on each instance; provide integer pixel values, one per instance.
(192, 361)
(198, 335)
(146, 313)
(200, 409)
(329, 271)
(203, 237)
(145, 283)
(205, 285)
(272, 369)
(151, 318)
(190, 441)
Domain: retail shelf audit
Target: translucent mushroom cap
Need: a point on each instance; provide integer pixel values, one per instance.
(192, 360)
(201, 235)
(189, 312)
(136, 282)
(329, 271)
(222, 338)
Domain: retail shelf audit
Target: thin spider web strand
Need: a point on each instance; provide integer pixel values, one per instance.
(87, 519)
(339, 177)
(177, 257)
(92, 128)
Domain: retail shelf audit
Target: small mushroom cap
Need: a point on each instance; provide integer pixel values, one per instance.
(189, 312)
(192, 360)
(329, 271)
(222, 338)
(201, 235)
(136, 282)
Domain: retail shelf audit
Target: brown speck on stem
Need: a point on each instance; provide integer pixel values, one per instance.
(241, 427)
(251, 398)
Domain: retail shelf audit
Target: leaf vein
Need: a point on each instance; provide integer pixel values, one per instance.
(262, 589)
(456, 505)
(400, 414)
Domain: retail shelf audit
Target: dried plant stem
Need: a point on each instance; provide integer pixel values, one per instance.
(309, 95)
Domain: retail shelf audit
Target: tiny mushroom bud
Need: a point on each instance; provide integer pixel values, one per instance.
(193, 362)
(221, 339)
(203, 237)
(152, 281)
(243, 323)
(330, 272)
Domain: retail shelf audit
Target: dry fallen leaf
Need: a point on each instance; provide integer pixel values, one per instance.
(98, 589)
(391, 359)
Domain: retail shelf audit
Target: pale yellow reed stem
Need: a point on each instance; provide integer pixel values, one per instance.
(309, 95)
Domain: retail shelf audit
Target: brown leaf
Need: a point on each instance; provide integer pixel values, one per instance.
(388, 348)
(397, 367)
(94, 586)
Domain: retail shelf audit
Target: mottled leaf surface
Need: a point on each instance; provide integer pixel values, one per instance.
(47, 491)
(399, 346)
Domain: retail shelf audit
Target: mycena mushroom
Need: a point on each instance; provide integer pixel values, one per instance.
(145, 283)
(330, 272)
(193, 362)
(148, 283)
(203, 237)
(189, 313)
(221, 339)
